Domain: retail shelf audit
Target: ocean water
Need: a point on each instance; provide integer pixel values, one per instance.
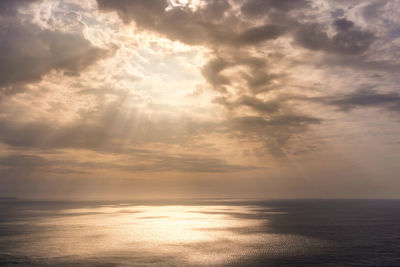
(201, 233)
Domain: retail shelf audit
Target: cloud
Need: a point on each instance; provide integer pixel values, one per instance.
(212, 73)
(250, 71)
(45, 134)
(275, 132)
(19, 165)
(213, 23)
(258, 34)
(343, 24)
(256, 104)
(10, 7)
(186, 163)
(181, 23)
(256, 8)
(239, 75)
(29, 52)
(239, 69)
(108, 128)
(364, 98)
(347, 39)
(272, 76)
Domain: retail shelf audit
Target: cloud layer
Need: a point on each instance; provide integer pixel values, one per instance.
(266, 90)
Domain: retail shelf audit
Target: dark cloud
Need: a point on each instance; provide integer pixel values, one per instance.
(255, 76)
(213, 24)
(351, 41)
(373, 10)
(360, 63)
(254, 122)
(364, 98)
(144, 12)
(259, 105)
(211, 72)
(28, 52)
(10, 7)
(258, 34)
(311, 36)
(256, 104)
(191, 27)
(347, 40)
(254, 8)
(260, 81)
(274, 132)
(337, 13)
(343, 24)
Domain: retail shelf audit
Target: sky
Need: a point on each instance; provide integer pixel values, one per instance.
(124, 99)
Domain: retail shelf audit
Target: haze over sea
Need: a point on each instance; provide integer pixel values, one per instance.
(200, 233)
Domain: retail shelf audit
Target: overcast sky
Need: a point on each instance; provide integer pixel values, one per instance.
(118, 99)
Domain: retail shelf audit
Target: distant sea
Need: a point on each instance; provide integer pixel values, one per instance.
(200, 233)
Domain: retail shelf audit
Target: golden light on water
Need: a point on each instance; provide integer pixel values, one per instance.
(194, 235)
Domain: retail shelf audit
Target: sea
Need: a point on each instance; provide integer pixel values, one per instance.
(200, 232)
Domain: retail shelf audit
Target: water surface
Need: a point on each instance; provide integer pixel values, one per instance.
(200, 233)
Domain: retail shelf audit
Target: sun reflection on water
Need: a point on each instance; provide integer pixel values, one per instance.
(193, 235)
